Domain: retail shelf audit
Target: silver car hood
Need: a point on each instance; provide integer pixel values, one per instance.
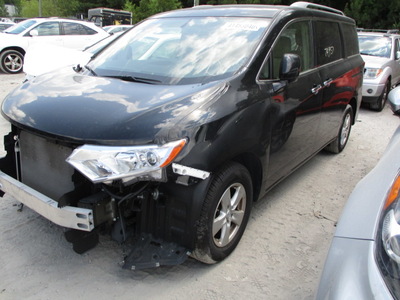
(367, 199)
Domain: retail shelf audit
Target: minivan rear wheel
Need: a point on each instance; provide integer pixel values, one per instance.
(225, 213)
(341, 140)
(11, 61)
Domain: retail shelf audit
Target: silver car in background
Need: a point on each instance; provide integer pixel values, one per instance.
(381, 53)
(364, 258)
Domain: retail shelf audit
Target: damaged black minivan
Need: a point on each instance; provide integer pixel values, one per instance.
(166, 137)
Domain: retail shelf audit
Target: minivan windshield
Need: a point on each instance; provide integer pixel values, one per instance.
(21, 26)
(181, 50)
(375, 45)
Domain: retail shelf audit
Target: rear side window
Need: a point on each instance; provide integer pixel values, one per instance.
(329, 44)
(350, 39)
(77, 29)
(397, 49)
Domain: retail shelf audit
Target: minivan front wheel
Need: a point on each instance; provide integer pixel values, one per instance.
(225, 213)
(341, 140)
(11, 61)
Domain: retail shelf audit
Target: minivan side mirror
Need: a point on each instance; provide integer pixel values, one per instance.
(34, 32)
(394, 100)
(290, 67)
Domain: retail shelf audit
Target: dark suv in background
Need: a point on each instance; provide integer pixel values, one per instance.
(169, 134)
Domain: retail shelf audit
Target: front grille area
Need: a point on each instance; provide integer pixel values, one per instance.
(43, 165)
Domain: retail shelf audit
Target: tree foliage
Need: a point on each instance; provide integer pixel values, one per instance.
(383, 14)
(3, 11)
(49, 8)
(146, 8)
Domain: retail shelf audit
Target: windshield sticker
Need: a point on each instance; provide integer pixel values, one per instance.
(241, 26)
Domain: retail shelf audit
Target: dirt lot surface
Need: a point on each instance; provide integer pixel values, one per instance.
(281, 254)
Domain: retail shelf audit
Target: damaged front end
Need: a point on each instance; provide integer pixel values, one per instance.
(122, 191)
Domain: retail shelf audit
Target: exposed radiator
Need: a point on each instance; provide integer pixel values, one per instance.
(43, 166)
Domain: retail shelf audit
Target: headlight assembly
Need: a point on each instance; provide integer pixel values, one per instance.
(388, 239)
(372, 73)
(107, 163)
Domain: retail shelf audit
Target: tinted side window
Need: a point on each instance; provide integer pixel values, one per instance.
(296, 39)
(48, 28)
(77, 29)
(328, 40)
(350, 39)
(397, 49)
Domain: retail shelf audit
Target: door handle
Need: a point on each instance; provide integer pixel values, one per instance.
(315, 90)
(328, 82)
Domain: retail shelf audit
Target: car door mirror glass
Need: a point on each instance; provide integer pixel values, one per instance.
(397, 55)
(34, 32)
(290, 67)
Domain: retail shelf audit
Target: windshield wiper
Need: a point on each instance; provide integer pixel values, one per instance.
(135, 79)
(364, 53)
(90, 70)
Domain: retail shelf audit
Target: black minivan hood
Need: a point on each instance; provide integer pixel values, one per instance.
(81, 108)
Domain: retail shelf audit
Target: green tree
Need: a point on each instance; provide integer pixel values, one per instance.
(383, 14)
(17, 5)
(394, 14)
(50, 8)
(3, 11)
(146, 8)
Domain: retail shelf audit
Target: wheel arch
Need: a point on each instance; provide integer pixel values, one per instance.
(15, 48)
(253, 165)
(355, 107)
(390, 80)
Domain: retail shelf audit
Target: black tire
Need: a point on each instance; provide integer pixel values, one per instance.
(213, 244)
(381, 101)
(341, 140)
(11, 61)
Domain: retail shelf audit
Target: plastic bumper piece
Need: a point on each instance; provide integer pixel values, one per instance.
(68, 216)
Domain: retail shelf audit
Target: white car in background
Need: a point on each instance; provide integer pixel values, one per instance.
(43, 58)
(15, 41)
(111, 29)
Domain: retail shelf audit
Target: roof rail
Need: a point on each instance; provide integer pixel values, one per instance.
(388, 31)
(317, 6)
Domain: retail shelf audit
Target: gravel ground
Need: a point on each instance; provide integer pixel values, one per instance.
(281, 254)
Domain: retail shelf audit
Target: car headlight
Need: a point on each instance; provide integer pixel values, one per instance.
(372, 73)
(388, 239)
(107, 163)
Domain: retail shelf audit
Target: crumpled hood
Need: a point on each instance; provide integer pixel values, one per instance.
(102, 110)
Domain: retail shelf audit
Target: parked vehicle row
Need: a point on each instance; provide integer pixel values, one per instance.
(15, 40)
(168, 134)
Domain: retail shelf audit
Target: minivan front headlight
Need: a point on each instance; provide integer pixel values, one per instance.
(107, 163)
(388, 239)
(372, 73)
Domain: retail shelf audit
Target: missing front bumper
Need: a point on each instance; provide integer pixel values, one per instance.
(68, 216)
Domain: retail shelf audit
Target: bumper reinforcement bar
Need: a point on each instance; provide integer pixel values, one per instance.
(68, 216)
